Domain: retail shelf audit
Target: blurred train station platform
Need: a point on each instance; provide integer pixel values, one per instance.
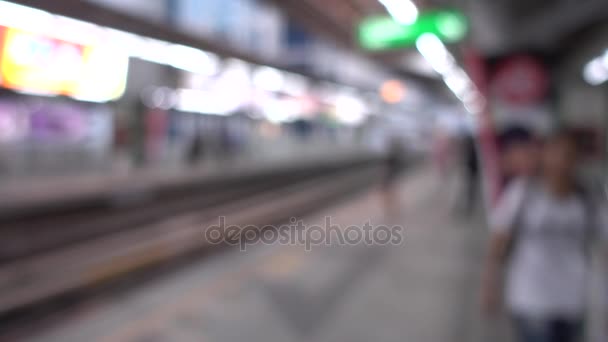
(303, 170)
(422, 289)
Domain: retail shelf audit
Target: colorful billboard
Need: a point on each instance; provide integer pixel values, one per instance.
(38, 64)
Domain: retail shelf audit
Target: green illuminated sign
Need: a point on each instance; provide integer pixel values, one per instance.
(382, 33)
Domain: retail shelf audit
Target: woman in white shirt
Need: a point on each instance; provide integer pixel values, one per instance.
(540, 232)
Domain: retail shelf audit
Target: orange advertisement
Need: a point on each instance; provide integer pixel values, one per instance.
(34, 63)
(38, 64)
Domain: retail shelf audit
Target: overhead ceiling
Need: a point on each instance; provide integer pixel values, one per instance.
(546, 26)
(335, 18)
(338, 20)
(498, 27)
(108, 17)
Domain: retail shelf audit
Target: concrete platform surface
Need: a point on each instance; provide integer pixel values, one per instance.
(423, 289)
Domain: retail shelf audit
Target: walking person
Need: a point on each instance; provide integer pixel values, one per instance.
(471, 174)
(538, 251)
(395, 165)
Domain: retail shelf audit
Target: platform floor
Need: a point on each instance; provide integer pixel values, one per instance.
(423, 290)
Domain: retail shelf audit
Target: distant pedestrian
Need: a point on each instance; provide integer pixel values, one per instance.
(196, 150)
(471, 172)
(395, 165)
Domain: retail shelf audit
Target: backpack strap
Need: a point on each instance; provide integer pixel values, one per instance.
(590, 212)
(516, 229)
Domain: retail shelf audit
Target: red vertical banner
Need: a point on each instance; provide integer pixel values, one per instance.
(488, 146)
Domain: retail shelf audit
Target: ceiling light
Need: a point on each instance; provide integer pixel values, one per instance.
(403, 11)
(595, 72)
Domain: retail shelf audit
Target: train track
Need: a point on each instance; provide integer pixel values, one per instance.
(79, 249)
(28, 236)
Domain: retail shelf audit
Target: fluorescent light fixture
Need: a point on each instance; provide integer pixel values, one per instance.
(77, 31)
(280, 110)
(458, 81)
(595, 72)
(350, 110)
(455, 78)
(25, 18)
(205, 102)
(436, 54)
(268, 79)
(295, 85)
(192, 60)
(403, 11)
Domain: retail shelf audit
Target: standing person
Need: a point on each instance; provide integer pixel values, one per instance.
(471, 173)
(541, 228)
(395, 165)
(197, 149)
